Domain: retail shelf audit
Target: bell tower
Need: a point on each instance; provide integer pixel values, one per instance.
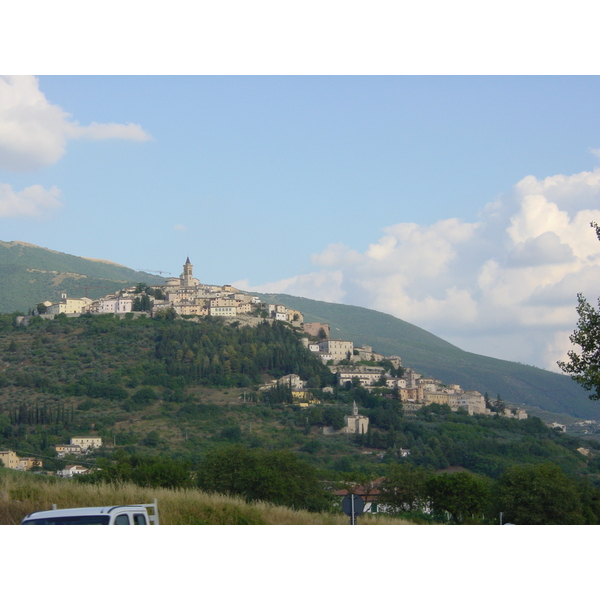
(187, 277)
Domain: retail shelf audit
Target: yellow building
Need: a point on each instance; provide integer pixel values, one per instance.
(435, 398)
(27, 463)
(9, 459)
(70, 306)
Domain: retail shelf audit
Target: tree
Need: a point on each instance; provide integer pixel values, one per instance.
(140, 288)
(141, 303)
(584, 368)
(462, 495)
(274, 476)
(538, 495)
(159, 471)
(404, 487)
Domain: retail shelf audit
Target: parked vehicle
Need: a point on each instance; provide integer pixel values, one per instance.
(135, 514)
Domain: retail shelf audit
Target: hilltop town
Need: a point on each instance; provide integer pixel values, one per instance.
(186, 297)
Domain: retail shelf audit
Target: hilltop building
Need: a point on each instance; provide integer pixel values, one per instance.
(355, 423)
(184, 294)
(70, 306)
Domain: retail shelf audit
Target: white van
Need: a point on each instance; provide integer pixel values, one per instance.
(135, 514)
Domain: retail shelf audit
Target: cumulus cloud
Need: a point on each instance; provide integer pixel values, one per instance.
(34, 133)
(503, 286)
(34, 201)
(544, 249)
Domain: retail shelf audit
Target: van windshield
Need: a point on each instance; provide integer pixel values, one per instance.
(77, 520)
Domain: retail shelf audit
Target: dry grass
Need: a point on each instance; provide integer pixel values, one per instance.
(23, 493)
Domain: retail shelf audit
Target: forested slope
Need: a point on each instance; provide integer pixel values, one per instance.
(31, 274)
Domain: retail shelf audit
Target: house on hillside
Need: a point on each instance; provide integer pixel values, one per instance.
(86, 442)
(339, 349)
(63, 449)
(72, 471)
(27, 463)
(69, 306)
(9, 459)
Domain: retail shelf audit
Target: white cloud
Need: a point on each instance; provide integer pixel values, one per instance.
(504, 286)
(34, 132)
(325, 285)
(107, 131)
(33, 201)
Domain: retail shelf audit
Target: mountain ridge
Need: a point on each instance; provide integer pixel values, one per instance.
(32, 274)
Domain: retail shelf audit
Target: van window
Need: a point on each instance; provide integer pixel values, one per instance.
(139, 519)
(122, 520)
(79, 520)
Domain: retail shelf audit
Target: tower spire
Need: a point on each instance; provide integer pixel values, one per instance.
(187, 276)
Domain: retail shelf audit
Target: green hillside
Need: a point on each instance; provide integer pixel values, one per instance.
(430, 355)
(31, 274)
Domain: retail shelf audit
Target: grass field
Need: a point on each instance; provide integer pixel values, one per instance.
(22, 493)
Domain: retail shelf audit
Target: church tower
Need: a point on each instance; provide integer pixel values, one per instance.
(187, 277)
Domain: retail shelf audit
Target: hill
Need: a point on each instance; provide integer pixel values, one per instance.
(31, 274)
(182, 387)
(535, 389)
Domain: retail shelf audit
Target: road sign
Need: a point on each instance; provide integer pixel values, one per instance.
(353, 505)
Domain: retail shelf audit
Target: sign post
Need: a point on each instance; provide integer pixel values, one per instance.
(353, 506)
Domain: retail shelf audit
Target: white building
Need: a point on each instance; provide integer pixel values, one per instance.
(339, 349)
(72, 470)
(111, 305)
(356, 423)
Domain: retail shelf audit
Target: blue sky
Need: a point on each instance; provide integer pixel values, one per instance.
(422, 196)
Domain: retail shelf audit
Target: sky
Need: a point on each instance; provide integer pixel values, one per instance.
(460, 204)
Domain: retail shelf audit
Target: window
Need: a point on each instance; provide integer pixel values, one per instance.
(139, 519)
(122, 520)
(83, 520)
